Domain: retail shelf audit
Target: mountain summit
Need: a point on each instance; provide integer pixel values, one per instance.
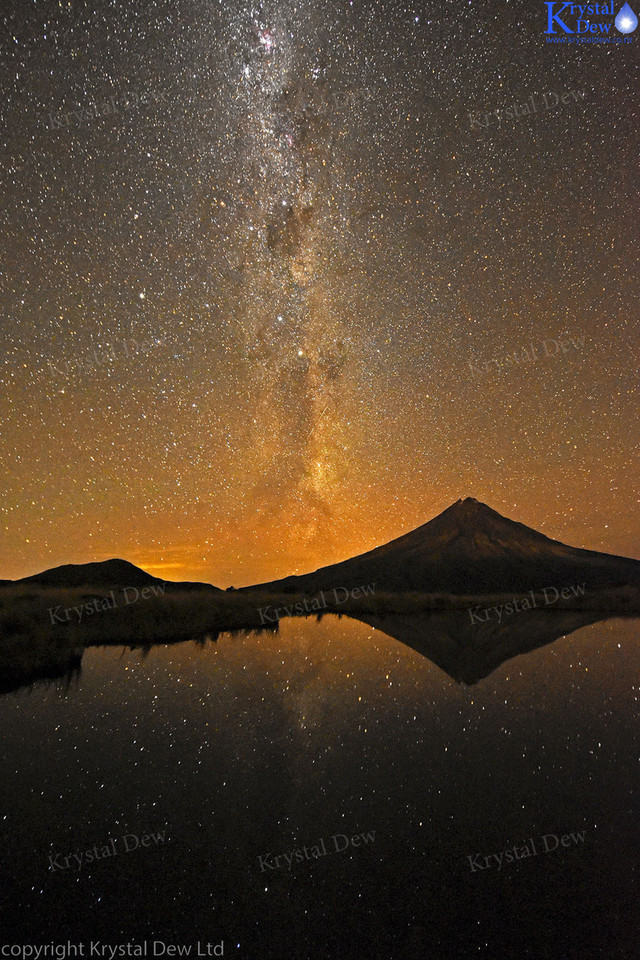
(470, 549)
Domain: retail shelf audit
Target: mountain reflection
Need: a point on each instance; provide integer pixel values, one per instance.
(469, 652)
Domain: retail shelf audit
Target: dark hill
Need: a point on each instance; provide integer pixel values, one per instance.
(106, 573)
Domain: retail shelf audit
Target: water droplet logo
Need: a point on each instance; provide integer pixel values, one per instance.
(626, 21)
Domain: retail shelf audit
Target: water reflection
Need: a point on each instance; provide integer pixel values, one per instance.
(466, 651)
(254, 746)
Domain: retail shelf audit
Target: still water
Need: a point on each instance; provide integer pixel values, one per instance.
(329, 791)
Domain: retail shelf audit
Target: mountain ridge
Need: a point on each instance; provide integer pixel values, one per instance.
(467, 549)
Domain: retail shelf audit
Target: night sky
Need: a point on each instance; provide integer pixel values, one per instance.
(262, 267)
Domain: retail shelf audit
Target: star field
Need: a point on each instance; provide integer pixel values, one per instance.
(260, 264)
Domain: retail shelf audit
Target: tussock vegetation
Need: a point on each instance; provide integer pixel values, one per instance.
(35, 614)
(620, 600)
(62, 614)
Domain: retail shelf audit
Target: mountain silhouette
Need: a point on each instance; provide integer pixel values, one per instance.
(469, 549)
(105, 573)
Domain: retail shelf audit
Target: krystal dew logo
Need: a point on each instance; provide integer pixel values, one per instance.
(577, 13)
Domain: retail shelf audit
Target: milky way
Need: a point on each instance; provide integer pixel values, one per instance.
(284, 310)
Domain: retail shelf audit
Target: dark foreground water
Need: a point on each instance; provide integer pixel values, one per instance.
(185, 772)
